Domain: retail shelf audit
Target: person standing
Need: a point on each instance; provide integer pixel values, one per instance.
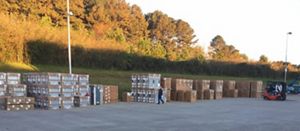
(160, 96)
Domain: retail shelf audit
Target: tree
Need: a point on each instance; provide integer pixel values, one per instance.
(219, 50)
(175, 35)
(263, 59)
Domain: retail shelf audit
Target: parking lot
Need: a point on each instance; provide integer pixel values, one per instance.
(229, 114)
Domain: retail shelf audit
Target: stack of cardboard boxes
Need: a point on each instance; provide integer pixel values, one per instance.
(13, 94)
(217, 86)
(182, 90)
(256, 89)
(57, 90)
(110, 94)
(166, 84)
(145, 87)
(201, 86)
(243, 88)
(229, 89)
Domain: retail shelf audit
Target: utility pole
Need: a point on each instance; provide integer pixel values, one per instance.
(69, 36)
(286, 50)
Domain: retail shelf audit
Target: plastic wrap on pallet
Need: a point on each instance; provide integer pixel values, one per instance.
(42, 78)
(13, 78)
(3, 90)
(16, 90)
(2, 78)
(69, 79)
(81, 90)
(83, 79)
(81, 101)
(67, 102)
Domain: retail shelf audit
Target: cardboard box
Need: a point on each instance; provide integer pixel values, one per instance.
(127, 97)
(256, 89)
(200, 86)
(216, 85)
(227, 86)
(190, 96)
(180, 95)
(182, 84)
(243, 88)
(232, 93)
(218, 95)
(209, 94)
(166, 82)
(19, 107)
(173, 95)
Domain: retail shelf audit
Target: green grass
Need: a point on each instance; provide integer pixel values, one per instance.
(111, 77)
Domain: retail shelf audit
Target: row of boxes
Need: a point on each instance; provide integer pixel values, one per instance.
(55, 79)
(10, 103)
(58, 90)
(10, 78)
(145, 81)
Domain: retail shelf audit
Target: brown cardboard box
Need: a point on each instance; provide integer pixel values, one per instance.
(218, 95)
(200, 86)
(227, 86)
(166, 82)
(110, 94)
(19, 107)
(19, 100)
(173, 95)
(127, 97)
(256, 89)
(190, 96)
(232, 93)
(209, 94)
(243, 88)
(182, 84)
(180, 95)
(216, 85)
(167, 93)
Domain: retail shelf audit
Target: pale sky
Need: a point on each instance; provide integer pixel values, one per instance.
(255, 27)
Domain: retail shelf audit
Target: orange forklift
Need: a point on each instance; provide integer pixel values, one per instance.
(275, 90)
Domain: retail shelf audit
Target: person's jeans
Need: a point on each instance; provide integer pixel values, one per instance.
(160, 99)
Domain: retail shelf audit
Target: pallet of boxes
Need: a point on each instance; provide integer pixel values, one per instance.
(57, 90)
(145, 88)
(229, 89)
(203, 90)
(13, 94)
(249, 89)
(182, 90)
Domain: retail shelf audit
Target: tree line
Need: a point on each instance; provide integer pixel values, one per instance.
(113, 34)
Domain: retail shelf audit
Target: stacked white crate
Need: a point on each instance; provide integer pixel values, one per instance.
(81, 91)
(12, 90)
(45, 88)
(57, 90)
(145, 87)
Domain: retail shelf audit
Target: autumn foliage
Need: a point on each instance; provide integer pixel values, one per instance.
(112, 34)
